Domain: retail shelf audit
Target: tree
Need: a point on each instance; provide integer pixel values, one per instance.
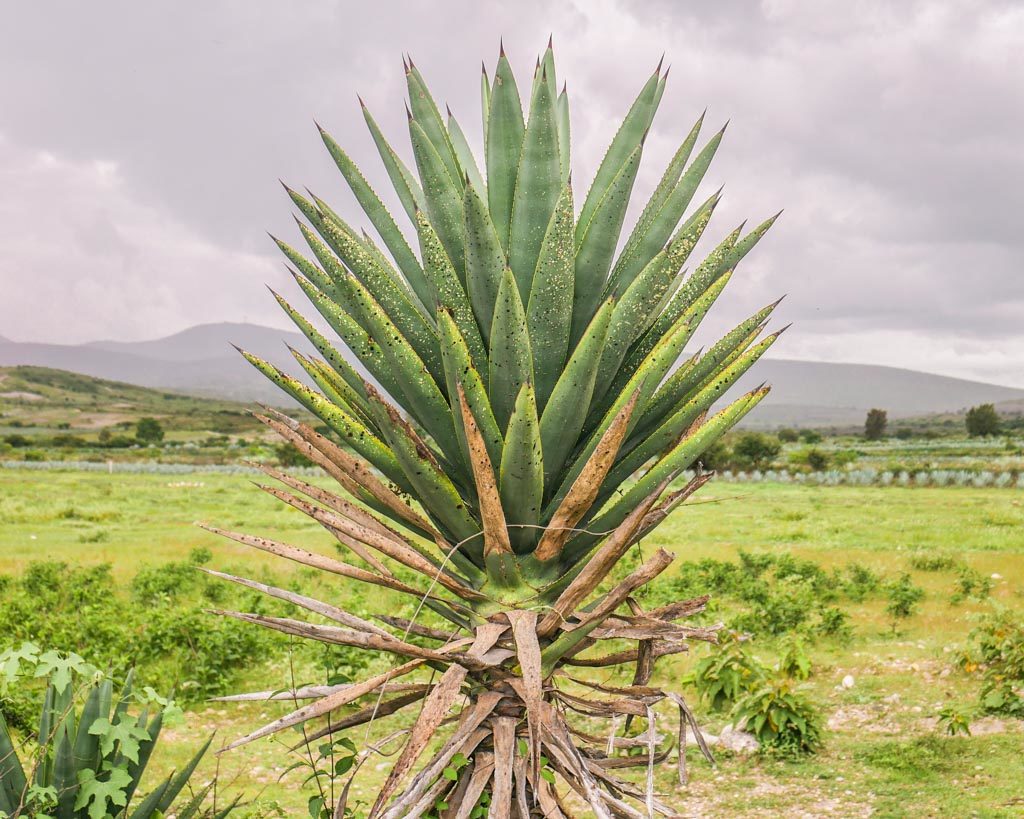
(756, 449)
(536, 422)
(875, 423)
(149, 431)
(982, 420)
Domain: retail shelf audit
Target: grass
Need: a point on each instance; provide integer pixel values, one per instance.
(882, 755)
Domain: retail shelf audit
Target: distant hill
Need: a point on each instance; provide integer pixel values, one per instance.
(199, 360)
(40, 399)
(805, 393)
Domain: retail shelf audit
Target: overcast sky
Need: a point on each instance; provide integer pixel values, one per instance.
(140, 144)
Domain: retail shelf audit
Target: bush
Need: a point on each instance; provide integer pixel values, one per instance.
(149, 431)
(788, 436)
(755, 449)
(780, 718)
(997, 653)
(903, 597)
(817, 460)
(726, 674)
(810, 436)
(972, 584)
(287, 455)
(763, 704)
(163, 623)
(933, 562)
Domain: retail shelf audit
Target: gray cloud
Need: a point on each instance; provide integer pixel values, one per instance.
(140, 144)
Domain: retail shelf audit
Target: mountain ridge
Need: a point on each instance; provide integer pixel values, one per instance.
(199, 360)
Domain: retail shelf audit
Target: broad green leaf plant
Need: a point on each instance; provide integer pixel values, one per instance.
(91, 750)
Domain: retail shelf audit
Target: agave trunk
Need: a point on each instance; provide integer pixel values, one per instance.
(523, 426)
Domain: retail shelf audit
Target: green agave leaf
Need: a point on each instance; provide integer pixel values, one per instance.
(595, 249)
(564, 136)
(685, 453)
(709, 271)
(86, 751)
(464, 152)
(683, 416)
(505, 129)
(146, 746)
(485, 99)
(425, 111)
(639, 305)
(746, 244)
(180, 779)
(427, 114)
(549, 309)
(336, 391)
(680, 384)
(648, 237)
(619, 155)
(431, 486)
(12, 776)
(459, 369)
(511, 359)
(666, 186)
(356, 338)
(448, 291)
(678, 305)
(424, 398)
(352, 383)
(351, 431)
(379, 217)
(392, 298)
(521, 477)
(443, 198)
(485, 260)
(537, 188)
(408, 189)
(65, 774)
(563, 416)
(311, 271)
(643, 383)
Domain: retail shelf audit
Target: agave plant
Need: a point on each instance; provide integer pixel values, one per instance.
(507, 413)
(91, 757)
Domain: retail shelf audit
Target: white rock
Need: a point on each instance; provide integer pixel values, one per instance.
(996, 576)
(892, 698)
(737, 741)
(848, 681)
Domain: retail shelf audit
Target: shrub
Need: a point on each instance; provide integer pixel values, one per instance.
(955, 720)
(970, 583)
(755, 449)
(92, 750)
(149, 431)
(817, 460)
(726, 674)
(788, 436)
(997, 653)
(903, 598)
(780, 718)
(834, 622)
(933, 562)
(810, 436)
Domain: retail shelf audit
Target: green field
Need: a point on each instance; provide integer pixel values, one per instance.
(882, 753)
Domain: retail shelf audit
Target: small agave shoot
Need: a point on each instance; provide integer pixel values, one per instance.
(525, 424)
